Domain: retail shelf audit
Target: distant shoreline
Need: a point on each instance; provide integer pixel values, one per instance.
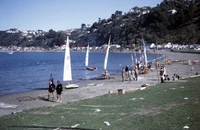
(103, 51)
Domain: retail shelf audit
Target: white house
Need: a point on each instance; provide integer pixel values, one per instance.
(115, 46)
(172, 11)
(168, 45)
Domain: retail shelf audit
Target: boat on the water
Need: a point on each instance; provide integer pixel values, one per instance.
(105, 72)
(10, 52)
(87, 60)
(67, 72)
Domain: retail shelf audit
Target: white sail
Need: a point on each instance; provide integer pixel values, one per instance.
(135, 57)
(140, 52)
(106, 57)
(67, 74)
(145, 53)
(87, 56)
(132, 59)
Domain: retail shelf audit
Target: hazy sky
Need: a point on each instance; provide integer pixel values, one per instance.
(61, 14)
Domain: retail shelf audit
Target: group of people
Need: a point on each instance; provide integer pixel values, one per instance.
(164, 76)
(131, 74)
(52, 87)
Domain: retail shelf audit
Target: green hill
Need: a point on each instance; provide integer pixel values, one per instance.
(174, 21)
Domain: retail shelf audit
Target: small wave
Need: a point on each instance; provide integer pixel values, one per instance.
(5, 105)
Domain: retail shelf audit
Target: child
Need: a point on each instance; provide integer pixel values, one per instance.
(51, 89)
(59, 90)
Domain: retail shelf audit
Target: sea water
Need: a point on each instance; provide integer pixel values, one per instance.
(24, 71)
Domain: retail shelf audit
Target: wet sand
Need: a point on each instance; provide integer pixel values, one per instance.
(92, 88)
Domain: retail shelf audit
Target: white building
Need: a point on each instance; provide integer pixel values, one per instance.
(172, 11)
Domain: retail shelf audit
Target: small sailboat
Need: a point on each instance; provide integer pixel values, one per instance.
(106, 57)
(105, 73)
(11, 52)
(145, 71)
(87, 60)
(145, 53)
(67, 73)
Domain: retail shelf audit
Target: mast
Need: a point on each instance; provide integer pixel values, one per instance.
(156, 59)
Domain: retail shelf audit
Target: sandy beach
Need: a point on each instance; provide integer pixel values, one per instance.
(18, 102)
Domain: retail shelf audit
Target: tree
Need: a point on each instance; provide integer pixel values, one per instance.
(51, 34)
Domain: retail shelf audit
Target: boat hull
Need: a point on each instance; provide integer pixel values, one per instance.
(71, 86)
(89, 68)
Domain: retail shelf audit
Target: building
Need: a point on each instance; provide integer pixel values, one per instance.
(172, 11)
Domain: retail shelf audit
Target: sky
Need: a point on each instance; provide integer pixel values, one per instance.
(61, 14)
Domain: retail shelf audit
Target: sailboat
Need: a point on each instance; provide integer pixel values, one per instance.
(87, 60)
(145, 53)
(105, 73)
(67, 72)
(133, 57)
(11, 52)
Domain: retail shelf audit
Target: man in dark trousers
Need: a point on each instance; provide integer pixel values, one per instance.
(51, 89)
(59, 90)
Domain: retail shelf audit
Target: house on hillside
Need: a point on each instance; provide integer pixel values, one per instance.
(193, 1)
(135, 10)
(140, 11)
(12, 30)
(172, 11)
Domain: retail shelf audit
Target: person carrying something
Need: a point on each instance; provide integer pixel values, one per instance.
(51, 89)
(59, 90)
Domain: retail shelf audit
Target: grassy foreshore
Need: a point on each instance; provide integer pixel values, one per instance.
(172, 105)
(164, 106)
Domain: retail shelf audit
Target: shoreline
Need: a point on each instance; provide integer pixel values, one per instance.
(79, 79)
(92, 88)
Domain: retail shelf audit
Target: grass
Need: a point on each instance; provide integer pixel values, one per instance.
(167, 106)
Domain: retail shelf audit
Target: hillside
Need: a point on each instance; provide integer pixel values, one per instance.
(176, 21)
(160, 24)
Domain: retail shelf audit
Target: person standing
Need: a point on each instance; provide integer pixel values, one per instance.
(51, 78)
(123, 74)
(133, 73)
(162, 74)
(59, 90)
(192, 68)
(51, 89)
(136, 73)
(138, 64)
(126, 71)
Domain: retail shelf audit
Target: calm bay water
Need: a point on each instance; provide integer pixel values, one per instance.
(24, 71)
